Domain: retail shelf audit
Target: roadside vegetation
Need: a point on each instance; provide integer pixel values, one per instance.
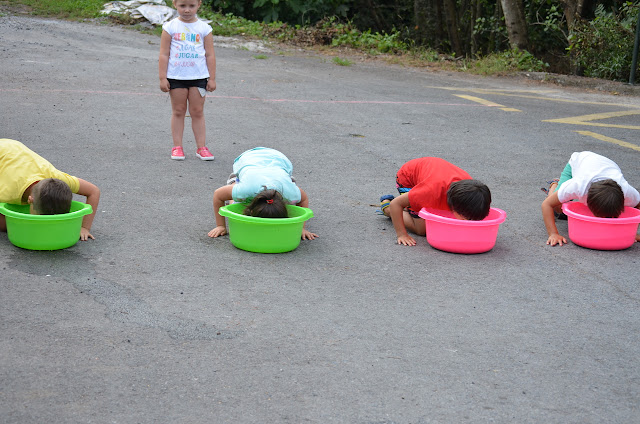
(65, 9)
(580, 37)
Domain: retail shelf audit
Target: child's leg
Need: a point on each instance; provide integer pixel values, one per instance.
(414, 225)
(385, 201)
(196, 111)
(178, 112)
(3, 223)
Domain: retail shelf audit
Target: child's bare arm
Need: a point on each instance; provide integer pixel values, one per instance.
(548, 206)
(220, 196)
(304, 199)
(92, 192)
(396, 211)
(163, 60)
(304, 202)
(210, 56)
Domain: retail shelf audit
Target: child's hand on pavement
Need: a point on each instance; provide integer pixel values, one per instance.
(85, 234)
(556, 239)
(638, 238)
(218, 231)
(308, 235)
(406, 240)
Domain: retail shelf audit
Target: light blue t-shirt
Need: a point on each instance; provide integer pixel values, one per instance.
(263, 167)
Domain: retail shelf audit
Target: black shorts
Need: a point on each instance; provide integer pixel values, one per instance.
(200, 83)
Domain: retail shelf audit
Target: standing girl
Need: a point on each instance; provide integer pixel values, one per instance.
(187, 68)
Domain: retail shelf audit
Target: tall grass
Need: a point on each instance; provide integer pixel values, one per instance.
(70, 9)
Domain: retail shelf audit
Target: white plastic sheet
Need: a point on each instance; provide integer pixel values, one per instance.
(157, 15)
(153, 11)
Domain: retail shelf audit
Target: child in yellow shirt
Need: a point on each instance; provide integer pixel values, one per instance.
(26, 177)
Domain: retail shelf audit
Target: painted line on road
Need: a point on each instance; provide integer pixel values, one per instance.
(587, 119)
(519, 93)
(610, 140)
(487, 103)
(363, 102)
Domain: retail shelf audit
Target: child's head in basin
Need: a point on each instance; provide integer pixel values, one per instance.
(605, 199)
(50, 197)
(268, 203)
(469, 199)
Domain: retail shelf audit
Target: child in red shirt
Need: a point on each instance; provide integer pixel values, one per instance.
(430, 182)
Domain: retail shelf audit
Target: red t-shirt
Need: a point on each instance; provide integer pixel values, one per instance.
(429, 179)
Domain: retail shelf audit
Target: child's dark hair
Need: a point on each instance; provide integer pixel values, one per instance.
(469, 198)
(605, 199)
(267, 204)
(51, 197)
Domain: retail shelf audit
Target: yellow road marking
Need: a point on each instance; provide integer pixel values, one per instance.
(487, 103)
(518, 93)
(586, 119)
(610, 140)
(495, 90)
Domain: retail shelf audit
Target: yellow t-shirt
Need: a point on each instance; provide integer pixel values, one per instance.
(20, 167)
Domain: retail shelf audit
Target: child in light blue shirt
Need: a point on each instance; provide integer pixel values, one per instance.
(263, 178)
(260, 168)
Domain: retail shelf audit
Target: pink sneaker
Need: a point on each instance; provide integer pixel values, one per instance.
(177, 153)
(204, 153)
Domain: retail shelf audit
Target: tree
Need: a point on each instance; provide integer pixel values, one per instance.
(516, 23)
(452, 26)
(577, 9)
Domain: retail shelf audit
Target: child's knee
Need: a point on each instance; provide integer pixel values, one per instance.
(179, 112)
(414, 225)
(420, 226)
(196, 109)
(196, 113)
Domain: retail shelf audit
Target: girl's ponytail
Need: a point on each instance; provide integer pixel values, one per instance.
(268, 203)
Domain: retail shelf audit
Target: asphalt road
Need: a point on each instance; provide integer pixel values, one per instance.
(155, 322)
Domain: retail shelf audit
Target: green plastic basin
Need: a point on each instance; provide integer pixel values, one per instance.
(44, 232)
(265, 235)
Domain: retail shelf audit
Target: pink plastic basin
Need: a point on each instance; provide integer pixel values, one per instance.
(592, 232)
(444, 232)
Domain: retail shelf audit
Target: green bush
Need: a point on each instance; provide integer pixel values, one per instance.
(506, 62)
(227, 25)
(603, 47)
(375, 43)
(293, 12)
